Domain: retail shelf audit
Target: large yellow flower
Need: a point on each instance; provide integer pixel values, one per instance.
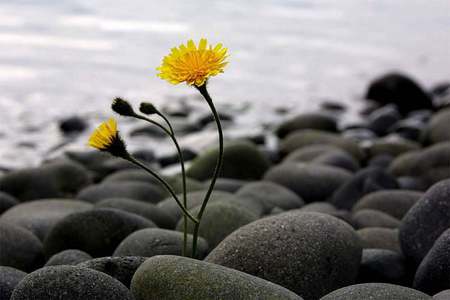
(192, 64)
(106, 138)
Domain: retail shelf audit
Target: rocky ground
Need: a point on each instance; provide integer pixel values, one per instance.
(360, 211)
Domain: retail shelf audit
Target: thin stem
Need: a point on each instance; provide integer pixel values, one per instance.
(164, 183)
(202, 89)
(183, 177)
(171, 133)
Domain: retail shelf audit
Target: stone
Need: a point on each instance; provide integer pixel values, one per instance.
(150, 131)
(437, 130)
(19, 248)
(380, 238)
(155, 241)
(120, 268)
(6, 202)
(307, 121)
(69, 283)
(228, 185)
(364, 182)
(310, 254)
(242, 160)
(192, 185)
(307, 137)
(145, 155)
(432, 164)
(425, 222)
(39, 216)
(381, 161)
(128, 189)
(147, 210)
(433, 273)
(395, 203)
(68, 257)
(392, 145)
(309, 153)
(9, 278)
(71, 125)
(411, 129)
(52, 180)
(382, 119)
(373, 218)
(376, 291)
(444, 295)
(138, 175)
(412, 183)
(380, 265)
(270, 195)
(399, 89)
(310, 182)
(218, 221)
(97, 231)
(340, 159)
(173, 158)
(174, 277)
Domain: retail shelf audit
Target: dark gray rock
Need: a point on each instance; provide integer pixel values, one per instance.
(270, 195)
(128, 189)
(376, 291)
(382, 119)
(411, 129)
(400, 90)
(227, 184)
(120, 268)
(68, 257)
(148, 131)
(71, 125)
(444, 295)
(19, 248)
(359, 134)
(381, 161)
(145, 155)
(308, 253)
(138, 175)
(380, 238)
(433, 274)
(174, 277)
(374, 218)
(58, 179)
(242, 160)
(169, 159)
(380, 265)
(431, 164)
(411, 183)
(219, 220)
(154, 241)
(364, 182)
(40, 216)
(305, 138)
(320, 207)
(309, 153)
(307, 121)
(9, 278)
(97, 231)
(147, 210)
(392, 145)
(426, 221)
(340, 159)
(6, 202)
(437, 130)
(69, 283)
(310, 182)
(392, 202)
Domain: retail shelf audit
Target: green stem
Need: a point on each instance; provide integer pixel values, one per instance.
(202, 89)
(183, 177)
(171, 133)
(164, 183)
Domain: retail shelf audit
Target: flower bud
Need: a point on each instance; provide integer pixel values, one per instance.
(148, 108)
(122, 107)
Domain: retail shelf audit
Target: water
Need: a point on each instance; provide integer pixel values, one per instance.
(60, 58)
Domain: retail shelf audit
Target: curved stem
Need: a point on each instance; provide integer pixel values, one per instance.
(171, 133)
(165, 184)
(202, 89)
(183, 178)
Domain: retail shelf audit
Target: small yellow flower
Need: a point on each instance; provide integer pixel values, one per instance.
(192, 64)
(106, 138)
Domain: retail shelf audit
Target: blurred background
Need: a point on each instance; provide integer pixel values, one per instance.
(60, 59)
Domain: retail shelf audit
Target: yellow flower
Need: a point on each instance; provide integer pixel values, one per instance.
(192, 64)
(106, 138)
